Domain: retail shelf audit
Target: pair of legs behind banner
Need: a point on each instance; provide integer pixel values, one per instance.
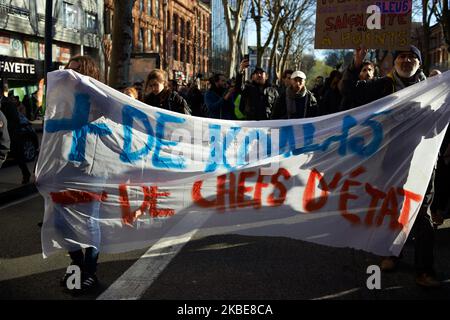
(423, 236)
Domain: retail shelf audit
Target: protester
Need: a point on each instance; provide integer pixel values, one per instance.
(285, 81)
(35, 106)
(218, 99)
(318, 88)
(10, 111)
(367, 71)
(87, 262)
(406, 72)
(297, 101)
(195, 99)
(158, 94)
(331, 100)
(132, 92)
(258, 97)
(441, 201)
(4, 138)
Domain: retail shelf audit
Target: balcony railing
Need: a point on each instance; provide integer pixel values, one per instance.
(10, 9)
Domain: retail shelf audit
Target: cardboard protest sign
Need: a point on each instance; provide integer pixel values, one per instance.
(349, 24)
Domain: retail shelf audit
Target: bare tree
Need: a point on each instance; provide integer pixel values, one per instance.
(233, 20)
(441, 10)
(274, 10)
(122, 38)
(298, 29)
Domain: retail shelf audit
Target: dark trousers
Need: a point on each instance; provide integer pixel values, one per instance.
(423, 233)
(88, 261)
(17, 152)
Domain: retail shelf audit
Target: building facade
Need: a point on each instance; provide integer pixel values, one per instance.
(173, 35)
(438, 54)
(76, 30)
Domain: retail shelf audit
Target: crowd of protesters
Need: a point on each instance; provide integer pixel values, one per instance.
(257, 99)
(358, 84)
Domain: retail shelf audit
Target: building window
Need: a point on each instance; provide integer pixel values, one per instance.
(175, 24)
(182, 52)
(157, 8)
(188, 30)
(188, 54)
(175, 50)
(91, 22)
(149, 39)
(149, 8)
(182, 27)
(71, 16)
(158, 41)
(140, 46)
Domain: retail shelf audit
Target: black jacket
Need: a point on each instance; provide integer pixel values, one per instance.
(357, 92)
(306, 107)
(257, 102)
(168, 100)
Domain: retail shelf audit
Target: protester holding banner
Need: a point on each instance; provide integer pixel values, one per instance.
(406, 72)
(157, 93)
(87, 262)
(441, 201)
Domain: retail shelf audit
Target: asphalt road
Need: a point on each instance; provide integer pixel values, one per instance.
(212, 266)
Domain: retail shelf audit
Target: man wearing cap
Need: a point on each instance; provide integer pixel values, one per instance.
(297, 101)
(406, 72)
(258, 98)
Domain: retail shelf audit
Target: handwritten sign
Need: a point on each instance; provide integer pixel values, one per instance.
(114, 170)
(347, 24)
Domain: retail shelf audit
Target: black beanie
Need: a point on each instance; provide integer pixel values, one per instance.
(412, 49)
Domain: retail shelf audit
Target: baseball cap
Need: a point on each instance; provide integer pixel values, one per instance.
(412, 49)
(298, 74)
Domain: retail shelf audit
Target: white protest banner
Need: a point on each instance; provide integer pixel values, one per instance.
(115, 172)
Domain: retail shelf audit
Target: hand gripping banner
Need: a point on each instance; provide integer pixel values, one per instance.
(116, 173)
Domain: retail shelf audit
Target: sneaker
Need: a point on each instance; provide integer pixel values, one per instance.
(89, 283)
(388, 264)
(427, 281)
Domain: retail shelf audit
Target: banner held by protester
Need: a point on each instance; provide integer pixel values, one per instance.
(114, 172)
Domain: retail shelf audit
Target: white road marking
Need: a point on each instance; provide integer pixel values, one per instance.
(339, 294)
(19, 201)
(139, 277)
